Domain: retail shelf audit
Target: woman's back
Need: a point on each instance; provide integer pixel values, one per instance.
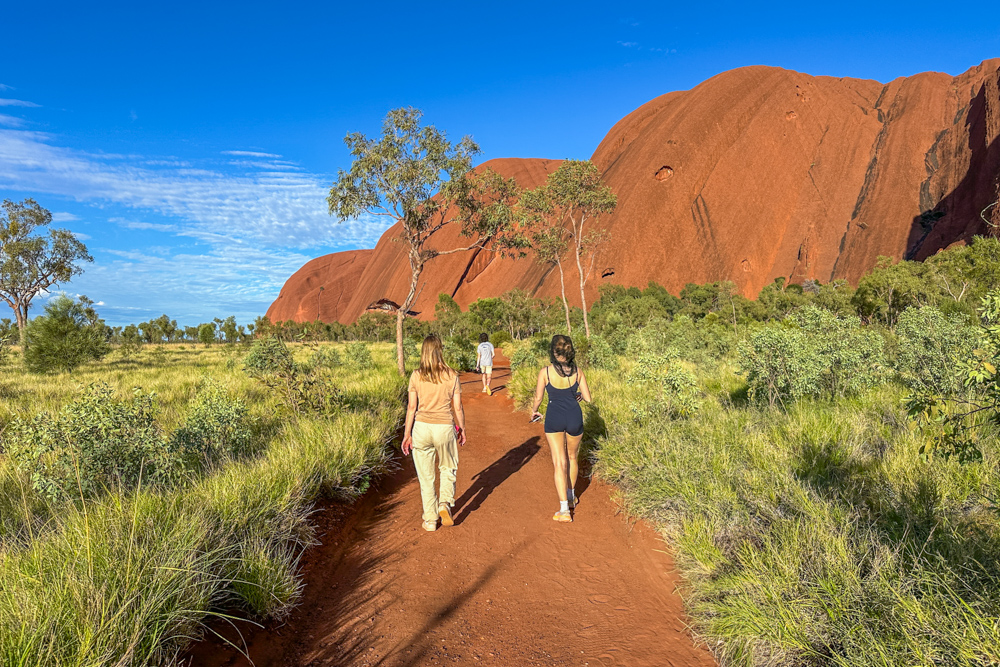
(434, 399)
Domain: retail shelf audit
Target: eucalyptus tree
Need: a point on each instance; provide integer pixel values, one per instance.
(413, 175)
(564, 210)
(31, 263)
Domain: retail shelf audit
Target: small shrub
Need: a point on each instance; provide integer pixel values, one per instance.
(325, 356)
(779, 365)
(676, 387)
(600, 354)
(930, 348)
(524, 356)
(97, 441)
(358, 355)
(131, 343)
(303, 388)
(500, 338)
(206, 334)
(217, 426)
(66, 336)
(460, 353)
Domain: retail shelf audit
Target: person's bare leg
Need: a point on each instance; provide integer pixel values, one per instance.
(557, 444)
(489, 380)
(573, 455)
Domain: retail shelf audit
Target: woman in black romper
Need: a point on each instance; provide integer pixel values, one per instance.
(566, 385)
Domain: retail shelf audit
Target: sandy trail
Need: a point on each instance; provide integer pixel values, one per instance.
(505, 586)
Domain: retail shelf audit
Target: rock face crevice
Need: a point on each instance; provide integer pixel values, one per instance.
(756, 173)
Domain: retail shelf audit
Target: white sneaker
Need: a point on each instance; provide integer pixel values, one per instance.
(430, 526)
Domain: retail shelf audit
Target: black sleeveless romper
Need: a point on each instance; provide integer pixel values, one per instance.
(564, 412)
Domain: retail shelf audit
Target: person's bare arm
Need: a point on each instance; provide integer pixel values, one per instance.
(584, 387)
(456, 404)
(411, 412)
(539, 393)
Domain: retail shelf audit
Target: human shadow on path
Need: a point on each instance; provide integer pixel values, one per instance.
(489, 478)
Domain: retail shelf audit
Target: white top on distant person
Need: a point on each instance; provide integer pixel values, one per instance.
(484, 362)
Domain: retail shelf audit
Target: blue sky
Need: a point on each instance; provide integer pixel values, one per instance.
(191, 145)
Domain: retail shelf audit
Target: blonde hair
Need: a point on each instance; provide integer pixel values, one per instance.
(432, 365)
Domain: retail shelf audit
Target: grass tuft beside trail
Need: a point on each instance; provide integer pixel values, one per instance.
(812, 535)
(128, 578)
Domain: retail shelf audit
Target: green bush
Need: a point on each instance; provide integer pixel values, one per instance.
(303, 388)
(779, 365)
(217, 426)
(524, 356)
(66, 336)
(500, 338)
(675, 388)
(600, 354)
(358, 355)
(268, 356)
(930, 348)
(814, 353)
(325, 356)
(96, 442)
(853, 356)
(460, 353)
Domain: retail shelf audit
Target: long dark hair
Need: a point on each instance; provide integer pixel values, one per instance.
(563, 346)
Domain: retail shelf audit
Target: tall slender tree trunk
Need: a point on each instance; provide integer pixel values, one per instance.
(583, 296)
(562, 286)
(416, 267)
(21, 317)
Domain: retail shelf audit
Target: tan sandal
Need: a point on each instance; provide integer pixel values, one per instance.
(563, 517)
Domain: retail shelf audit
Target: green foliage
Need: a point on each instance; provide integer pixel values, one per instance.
(217, 426)
(68, 334)
(525, 355)
(358, 355)
(931, 347)
(891, 288)
(600, 354)
(460, 353)
(500, 338)
(206, 334)
(303, 388)
(95, 443)
(815, 354)
(955, 422)
(676, 393)
(31, 263)
(130, 344)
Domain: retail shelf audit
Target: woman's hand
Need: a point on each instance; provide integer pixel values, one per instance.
(535, 416)
(461, 437)
(407, 445)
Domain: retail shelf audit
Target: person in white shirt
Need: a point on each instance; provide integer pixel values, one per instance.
(484, 362)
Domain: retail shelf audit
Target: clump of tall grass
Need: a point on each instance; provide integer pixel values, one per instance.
(129, 577)
(814, 534)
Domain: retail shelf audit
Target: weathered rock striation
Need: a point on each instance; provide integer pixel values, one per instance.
(758, 172)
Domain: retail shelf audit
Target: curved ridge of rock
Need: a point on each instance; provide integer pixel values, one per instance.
(321, 289)
(756, 173)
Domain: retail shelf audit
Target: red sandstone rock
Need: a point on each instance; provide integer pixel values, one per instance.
(756, 173)
(303, 300)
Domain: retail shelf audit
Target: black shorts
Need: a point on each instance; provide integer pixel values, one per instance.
(568, 420)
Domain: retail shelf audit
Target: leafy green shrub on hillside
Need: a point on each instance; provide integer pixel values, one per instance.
(500, 338)
(853, 356)
(600, 354)
(217, 426)
(815, 353)
(98, 441)
(268, 356)
(358, 355)
(779, 365)
(67, 335)
(676, 392)
(460, 353)
(931, 345)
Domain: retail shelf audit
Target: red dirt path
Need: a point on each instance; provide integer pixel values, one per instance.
(505, 586)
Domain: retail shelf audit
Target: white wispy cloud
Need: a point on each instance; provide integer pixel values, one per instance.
(263, 202)
(250, 154)
(12, 121)
(5, 87)
(62, 216)
(17, 103)
(629, 44)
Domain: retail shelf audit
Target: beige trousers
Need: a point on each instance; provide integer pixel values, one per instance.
(432, 441)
